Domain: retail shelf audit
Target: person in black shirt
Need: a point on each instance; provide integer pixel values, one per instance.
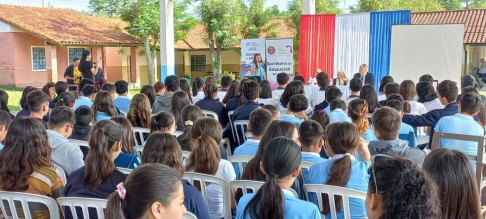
(86, 66)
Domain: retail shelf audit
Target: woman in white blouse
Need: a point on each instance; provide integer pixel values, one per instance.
(427, 95)
(407, 90)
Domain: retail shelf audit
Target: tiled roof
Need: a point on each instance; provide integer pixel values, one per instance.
(61, 26)
(474, 21)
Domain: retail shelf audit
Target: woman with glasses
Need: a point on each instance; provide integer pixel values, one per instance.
(342, 169)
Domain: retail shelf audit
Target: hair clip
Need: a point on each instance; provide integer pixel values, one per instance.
(120, 189)
(31, 87)
(188, 122)
(323, 111)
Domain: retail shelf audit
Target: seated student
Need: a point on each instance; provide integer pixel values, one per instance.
(4, 103)
(89, 93)
(206, 158)
(469, 81)
(265, 97)
(60, 87)
(164, 149)
(232, 91)
(406, 132)
(162, 103)
(283, 81)
(296, 109)
(381, 91)
(205, 126)
(143, 196)
(310, 136)
(84, 82)
(25, 112)
(197, 89)
(190, 114)
(210, 103)
(456, 181)
(338, 112)
(225, 84)
(447, 90)
(65, 154)
(389, 89)
(180, 99)
(332, 93)
(323, 82)
(387, 124)
(294, 87)
(399, 188)
(66, 99)
(38, 103)
(260, 119)
(368, 93)
(110, 88)
(127, 158)
(250, 92)
(342, 170)
(139, 112)
(323, 119)
(427, 95)
(408, 91)
(103, 107)
(163, 122)
(355, 86)
(122, 101)
(84, 120)
(274, 110)
(462, 123)
(99, 177)
(358, 112)
(281, 164)
(149, 91)
(25, 165)
(252, 170)
(5, 121)
(299, 78)
(50, 90)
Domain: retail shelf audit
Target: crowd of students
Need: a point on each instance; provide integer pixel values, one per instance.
(366, 142)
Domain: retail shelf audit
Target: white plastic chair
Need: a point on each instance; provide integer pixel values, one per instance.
(138, 150)
(306, 165)
(185, 155)
(79, 143)
(240, 125)
(84, 204)
(189, 215)
(125, 170)
(61, 173)
(204, 180)
(211, 114)
(240, 160)
(245, 185)
(332, 191)
(178, 133)
(25, 199)
(137, 131)
(230, 115)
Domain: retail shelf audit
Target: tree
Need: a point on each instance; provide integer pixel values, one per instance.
(257, 21)
(387, 5)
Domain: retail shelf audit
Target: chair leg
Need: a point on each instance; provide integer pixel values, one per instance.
(227, 143)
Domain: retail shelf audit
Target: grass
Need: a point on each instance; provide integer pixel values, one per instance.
(14, 95)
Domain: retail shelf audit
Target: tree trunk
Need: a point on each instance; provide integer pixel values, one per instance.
(211, 52)
(218, 72)
(150, 61)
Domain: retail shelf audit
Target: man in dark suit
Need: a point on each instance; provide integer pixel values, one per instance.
(364, 75)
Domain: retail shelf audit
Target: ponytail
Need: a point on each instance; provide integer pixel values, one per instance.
(407, 108)
(271, 199)
(205, 155)
(338, 176)
(186, 136)
(358, 112)
(196, 84)
(98, 162)
(114, 208)
(60, 103)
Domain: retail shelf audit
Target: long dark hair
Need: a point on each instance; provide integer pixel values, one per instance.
(65, 99)
(84, 58)
(184, 86)
(139, 110)
(294, 87)
(163, 148)
(342, 138)
(265, 89)
(203, 126)
(321, 117)
(127, 134)
(103, 103)
(197, 84)
(147, 184)
(425, 92)
(178, 102)
(4, 101)
(101, 140)
(46, 90)
(455, 177)
(384, 81)
(26, 149)
(407, 89)
(369, 94)
(205, 155)
(209, 90)
(23, 99)
(160, 121)
(149, 91)
(190, 114)
(281, 158)
(232, 90)
(254, 58)
(405, 190)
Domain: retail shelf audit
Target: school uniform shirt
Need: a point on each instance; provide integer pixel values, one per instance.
(338, 115)
(101, 116)
(127, 160)
(291, 119)
(434, 104)
(232, 103)
(321, 106)
(82, 101)
(310, 157)
(293, 208)
(318, 97)
(460, 124)
(381, 96)
(319, 174)
(200, 95)
(122, 102)
(193, 201)
(1, 146)
(350, 98)
(249, 148)
(417, 108)
(222, 94)
(243, 112)
(213, 105)
(267, 101)
(369, 135)
(408, 135)
(276, 94)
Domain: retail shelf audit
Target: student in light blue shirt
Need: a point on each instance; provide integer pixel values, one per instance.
(5, 121)
(310, 136)
(281, 164)
(342, 139)
(338, 112)
(296, 109)
(122, 101)
(462, 123)
(103, 107)
(89, 92)
(406, 132)
(332, 93)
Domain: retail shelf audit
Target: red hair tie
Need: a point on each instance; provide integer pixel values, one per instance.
(199, 137)
(360, 115)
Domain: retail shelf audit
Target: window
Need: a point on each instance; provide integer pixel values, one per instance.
(38, 58)
(75, 53)
(198, 63)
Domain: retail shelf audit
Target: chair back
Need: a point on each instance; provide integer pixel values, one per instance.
(332, 191)
(84, 203)
(230, 119)
(245, 186)
(61, 173)
(306, 165)
(227, 144)
(79, 143)
(204, 181)
(240, 126)
(185, 155)
(210, 114)
(15, 198)
(189, 215)
(241, 161)
(125, 170)
(138, 133)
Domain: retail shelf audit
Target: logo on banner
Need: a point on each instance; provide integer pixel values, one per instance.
(271, 50)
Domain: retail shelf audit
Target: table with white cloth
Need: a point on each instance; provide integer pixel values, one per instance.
(310, 89)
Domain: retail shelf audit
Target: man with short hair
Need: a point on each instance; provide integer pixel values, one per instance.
(38, 103)
(66, 155)
(122, 101)
(162, 103)
(310, 137)
(323, 82)
(296, 109)
(355, 86)
(89, 93)
(282, 80)
(364, 75)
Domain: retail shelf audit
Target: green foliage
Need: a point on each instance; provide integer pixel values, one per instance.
(387, 5)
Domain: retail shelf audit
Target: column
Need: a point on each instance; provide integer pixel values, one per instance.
(167, 60)
(187, 63)
(51, 62)
(308, 7)
(135, 66)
